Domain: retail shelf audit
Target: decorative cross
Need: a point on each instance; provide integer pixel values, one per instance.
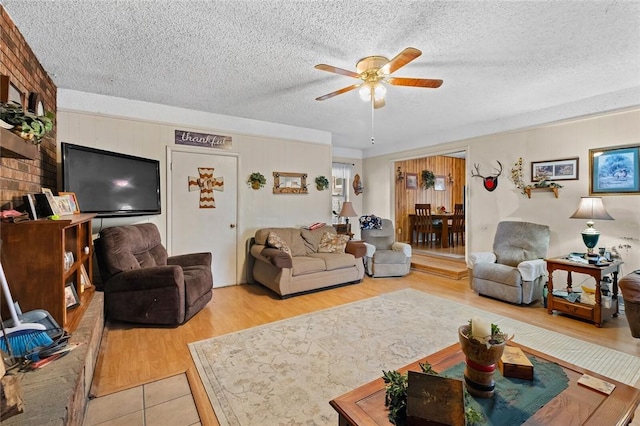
(206, 183)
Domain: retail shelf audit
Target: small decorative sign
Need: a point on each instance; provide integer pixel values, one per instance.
(183, 137)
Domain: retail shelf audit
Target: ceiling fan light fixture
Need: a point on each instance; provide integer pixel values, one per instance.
(379, 91)
(365, 92)
(376, 89)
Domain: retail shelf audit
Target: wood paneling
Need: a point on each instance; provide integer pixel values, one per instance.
(453, 171)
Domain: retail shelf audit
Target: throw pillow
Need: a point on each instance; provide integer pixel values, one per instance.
(370, 222)
(333, 243)
(273, 240)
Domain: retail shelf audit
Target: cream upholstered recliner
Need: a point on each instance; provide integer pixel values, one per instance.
(385, 257)
(515, 271)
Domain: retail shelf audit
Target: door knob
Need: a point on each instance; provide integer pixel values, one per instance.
(232, 225)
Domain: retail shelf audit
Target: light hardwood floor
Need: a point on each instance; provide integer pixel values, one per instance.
(132, 355)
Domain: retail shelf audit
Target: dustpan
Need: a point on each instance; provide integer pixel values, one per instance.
(22, 337)
(39, 316)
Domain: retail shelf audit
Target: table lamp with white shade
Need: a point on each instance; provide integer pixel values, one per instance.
(591, 208)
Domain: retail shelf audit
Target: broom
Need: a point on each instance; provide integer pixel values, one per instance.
(22, 337)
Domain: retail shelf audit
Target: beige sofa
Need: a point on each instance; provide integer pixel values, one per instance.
(306, 269)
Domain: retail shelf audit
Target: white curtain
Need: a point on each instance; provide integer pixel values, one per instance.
(341, 176)
(343, 171)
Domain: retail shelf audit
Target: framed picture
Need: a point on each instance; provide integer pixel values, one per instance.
(566, 169)
(64, 205)
(614, 170)
(411, 181)
(53, 204)
(71, 299)
(72, 200)
(9, 92)
(439, 184)
(84, 278)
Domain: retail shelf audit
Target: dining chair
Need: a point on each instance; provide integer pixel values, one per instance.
(456, 236)
(424, 224)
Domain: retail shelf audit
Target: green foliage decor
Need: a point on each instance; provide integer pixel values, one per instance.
(428, 179)
(256, 180)
(322, 183)
(395, 398)
(27, 125)
(517, 179)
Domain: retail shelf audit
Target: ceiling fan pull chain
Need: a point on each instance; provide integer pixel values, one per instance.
(373, 139)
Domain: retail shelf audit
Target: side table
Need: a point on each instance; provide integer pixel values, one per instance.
(594, 313)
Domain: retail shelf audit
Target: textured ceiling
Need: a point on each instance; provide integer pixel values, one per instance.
(505, 64)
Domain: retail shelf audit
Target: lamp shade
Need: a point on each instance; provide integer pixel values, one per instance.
(591, 208)
(347, 210)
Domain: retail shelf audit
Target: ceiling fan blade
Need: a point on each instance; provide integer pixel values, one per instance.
(336, 70)
(415, 82)
(338, 92)
(379, 103)
(400, 60)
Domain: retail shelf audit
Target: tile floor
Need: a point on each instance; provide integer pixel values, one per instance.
(165, 402)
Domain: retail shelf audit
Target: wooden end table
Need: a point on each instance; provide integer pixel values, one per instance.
(576, 405)
(595, 313)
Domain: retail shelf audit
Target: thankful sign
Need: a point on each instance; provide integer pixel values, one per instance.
(202, 139)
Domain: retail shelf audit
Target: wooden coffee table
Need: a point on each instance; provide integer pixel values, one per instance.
(576, 405)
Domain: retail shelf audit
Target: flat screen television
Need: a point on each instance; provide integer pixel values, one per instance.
(111, 184)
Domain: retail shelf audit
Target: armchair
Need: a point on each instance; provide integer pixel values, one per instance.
(385, 257)
(142, 284)
(515, 271)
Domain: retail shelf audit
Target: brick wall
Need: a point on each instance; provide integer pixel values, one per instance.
(19, 177)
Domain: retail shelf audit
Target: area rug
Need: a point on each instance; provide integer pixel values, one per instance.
(286, 372)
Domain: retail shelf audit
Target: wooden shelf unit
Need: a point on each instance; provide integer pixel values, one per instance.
(553, 189)
(33, 260)
(13, 146)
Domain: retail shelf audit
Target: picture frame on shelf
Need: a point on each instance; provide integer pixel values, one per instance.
(564, 169)
(64, 205)
(9, 92)
(53, 204)
(73, 200)
(84, 278)
(71, 299)
(439, 184)
(411, 180)
(614, 170)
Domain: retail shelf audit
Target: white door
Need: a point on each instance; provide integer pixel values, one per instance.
(194, 226)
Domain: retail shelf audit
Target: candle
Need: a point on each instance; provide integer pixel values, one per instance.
(480, 328)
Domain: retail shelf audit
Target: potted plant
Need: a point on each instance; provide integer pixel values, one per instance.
(428, 179)
(396, 392)
(26, 124)
(322, 183)
(256, 180)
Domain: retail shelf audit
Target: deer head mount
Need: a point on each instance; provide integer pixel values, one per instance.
(490, 182)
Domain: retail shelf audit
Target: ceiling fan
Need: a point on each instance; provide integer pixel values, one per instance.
(376, 70)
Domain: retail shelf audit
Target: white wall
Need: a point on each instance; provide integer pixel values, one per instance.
(486, 209)
(100, 122)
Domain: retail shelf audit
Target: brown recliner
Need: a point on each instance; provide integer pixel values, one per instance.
(142, 284)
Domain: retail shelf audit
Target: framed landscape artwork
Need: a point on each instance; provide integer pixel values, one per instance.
(614, 170)
(566, 169)
(411, 181)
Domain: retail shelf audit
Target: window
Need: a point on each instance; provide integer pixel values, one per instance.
(340, 178)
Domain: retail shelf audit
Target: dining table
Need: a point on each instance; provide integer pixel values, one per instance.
(446, 217)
